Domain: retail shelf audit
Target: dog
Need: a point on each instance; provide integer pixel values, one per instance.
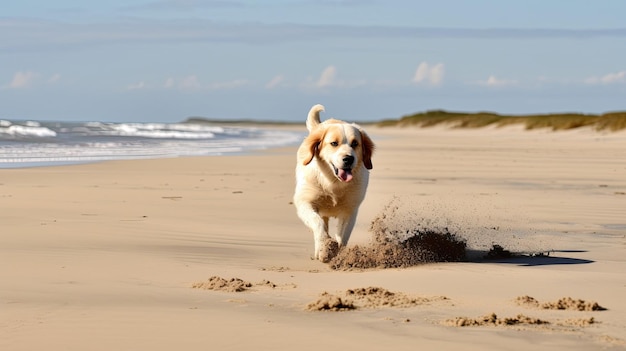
(332, 174)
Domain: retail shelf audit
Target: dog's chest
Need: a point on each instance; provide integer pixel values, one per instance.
(331, 203)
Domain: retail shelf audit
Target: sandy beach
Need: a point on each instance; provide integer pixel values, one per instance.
(120, 255)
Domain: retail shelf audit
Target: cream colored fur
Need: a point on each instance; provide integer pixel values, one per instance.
(332, 174)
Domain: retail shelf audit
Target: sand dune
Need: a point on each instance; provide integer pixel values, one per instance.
(130, 255)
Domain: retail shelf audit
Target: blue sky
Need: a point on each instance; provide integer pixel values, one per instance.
(166, 60)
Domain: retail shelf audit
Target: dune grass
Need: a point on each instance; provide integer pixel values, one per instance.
(612, 121)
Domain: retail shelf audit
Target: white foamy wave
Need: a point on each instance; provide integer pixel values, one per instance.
(162, 134)
(30, 144)
(159, 131)
(95, 124)
(28, 130)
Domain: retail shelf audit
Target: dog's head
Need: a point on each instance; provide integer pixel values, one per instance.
(341, 146)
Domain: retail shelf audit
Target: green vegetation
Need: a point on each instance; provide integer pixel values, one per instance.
(612, 121)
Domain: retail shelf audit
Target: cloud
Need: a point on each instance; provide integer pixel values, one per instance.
(232, 84)
(275, 82)
(493, 81)
(27, 79)
(21, 80)
(611, 78)
(169, 83)
(327, 78)
(425, 73)
(192, 82)
(54, 78)
(136, 86)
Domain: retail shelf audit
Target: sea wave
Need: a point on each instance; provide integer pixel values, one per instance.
(42, 143)
(157, 130)
(33, 129)
(28, 129)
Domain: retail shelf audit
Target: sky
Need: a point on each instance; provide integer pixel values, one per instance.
(368, 60)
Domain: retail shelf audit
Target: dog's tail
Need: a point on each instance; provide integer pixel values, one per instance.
(314, 117)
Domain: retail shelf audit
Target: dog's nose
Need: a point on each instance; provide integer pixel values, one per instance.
(348, 160)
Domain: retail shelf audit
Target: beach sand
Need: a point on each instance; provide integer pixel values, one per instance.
(208, 253)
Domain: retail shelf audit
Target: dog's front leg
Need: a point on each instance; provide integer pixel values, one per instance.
(345, 224)
(317, 224)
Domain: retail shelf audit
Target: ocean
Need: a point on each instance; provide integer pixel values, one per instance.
(44, 143)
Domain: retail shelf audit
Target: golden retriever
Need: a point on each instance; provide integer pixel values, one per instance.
(332, 173)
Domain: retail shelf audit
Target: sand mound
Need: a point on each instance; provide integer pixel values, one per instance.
(394, 245)
(275, 269)
(419, 248)
(230, 285)
(371, 297)
(565, 303)
(493, 320)
(579, 322)
(407, 234)
(498, 252)
(329, 302)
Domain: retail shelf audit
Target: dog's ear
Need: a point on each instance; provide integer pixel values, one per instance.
(311, 144)
(367, 146)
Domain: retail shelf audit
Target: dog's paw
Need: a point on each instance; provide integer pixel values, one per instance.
(329, 250)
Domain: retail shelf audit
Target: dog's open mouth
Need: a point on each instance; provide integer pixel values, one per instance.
(344, 174)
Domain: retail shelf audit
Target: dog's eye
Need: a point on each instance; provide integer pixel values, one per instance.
(354, 143)
(334, 143)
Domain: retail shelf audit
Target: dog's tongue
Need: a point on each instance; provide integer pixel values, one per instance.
(345, 174)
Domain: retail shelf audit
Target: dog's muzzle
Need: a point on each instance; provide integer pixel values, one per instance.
(345, 172)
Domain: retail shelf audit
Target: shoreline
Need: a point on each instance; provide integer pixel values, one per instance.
(45, 144)
(382, 131)
(104, 255)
